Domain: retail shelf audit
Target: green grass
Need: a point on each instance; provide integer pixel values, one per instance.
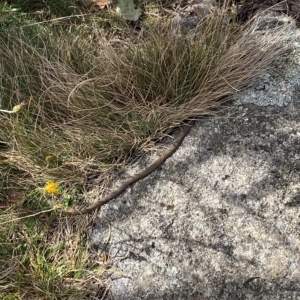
(50, 8)
(41, 257)
(95, 98)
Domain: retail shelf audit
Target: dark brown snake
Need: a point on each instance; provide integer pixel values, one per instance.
(135, 177)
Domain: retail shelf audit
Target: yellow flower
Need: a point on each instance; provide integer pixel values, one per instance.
(52, 187)
(48, 158)
(17, 108)
(14, 110)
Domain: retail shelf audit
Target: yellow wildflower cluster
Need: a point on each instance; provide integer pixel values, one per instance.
(52, 188)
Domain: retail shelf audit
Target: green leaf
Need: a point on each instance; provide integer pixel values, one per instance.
(128, 10)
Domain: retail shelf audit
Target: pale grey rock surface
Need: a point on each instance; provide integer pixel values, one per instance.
(276, 86)
(221, 218)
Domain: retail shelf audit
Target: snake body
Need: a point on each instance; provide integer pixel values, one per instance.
(136, 177)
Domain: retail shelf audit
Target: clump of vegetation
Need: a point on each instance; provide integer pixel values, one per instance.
(41, 257)
(93, 100)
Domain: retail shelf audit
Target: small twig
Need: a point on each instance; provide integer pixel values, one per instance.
(33, 215)
(135, 177)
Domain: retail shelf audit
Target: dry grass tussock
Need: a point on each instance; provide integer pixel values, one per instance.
(91, 104)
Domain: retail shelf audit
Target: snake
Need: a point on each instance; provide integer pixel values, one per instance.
(136, 177)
